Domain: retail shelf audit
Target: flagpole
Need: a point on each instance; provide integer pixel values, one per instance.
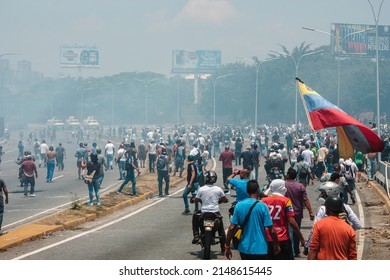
(296, 62)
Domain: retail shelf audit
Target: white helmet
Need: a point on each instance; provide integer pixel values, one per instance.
(327, 189)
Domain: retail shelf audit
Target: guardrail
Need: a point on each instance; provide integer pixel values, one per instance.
(382, 176)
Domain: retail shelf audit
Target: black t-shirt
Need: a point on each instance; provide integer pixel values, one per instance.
(190, 168)
(247, 160)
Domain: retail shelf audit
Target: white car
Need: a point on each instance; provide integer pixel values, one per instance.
(91, 122)
(54, 122)
(72, 122)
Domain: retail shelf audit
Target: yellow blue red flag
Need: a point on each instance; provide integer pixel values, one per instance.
(351, 134)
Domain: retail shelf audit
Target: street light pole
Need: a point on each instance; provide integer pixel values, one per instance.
(51, 103)
(338, 59)
(296, 75)
(112, 98)
(214, 81)
(82, 103)
(376, 18)
(146, 96)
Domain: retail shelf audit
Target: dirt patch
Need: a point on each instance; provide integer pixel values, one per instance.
(377, 232)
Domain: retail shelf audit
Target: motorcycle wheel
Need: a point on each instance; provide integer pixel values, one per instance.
(208, 237)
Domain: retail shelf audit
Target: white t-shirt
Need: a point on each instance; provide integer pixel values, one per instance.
(44, 148)
(308, 156)
(121, 154)
(210, 196)
(110, 148)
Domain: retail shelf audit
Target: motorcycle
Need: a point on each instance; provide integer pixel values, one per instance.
(209, 224)
(274, 173)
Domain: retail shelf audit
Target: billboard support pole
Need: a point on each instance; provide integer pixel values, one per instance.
(196, 89)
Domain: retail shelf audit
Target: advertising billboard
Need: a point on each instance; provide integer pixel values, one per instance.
(196, 62)
(362, 43)
(79, 55)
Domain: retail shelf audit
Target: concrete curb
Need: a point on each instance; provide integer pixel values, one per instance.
(381, 193)
(36, 230)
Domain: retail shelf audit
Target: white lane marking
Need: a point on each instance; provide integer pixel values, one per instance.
(93, 230)
(58, 177)
(54, 208)
(101, 227)
(360, 237)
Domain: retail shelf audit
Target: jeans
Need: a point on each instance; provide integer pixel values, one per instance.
(350, 189)
(1, 212)
(295, 238)
(60, 162)
(226, 172)
(121, 168)
(110, 159)
(50, 170)
(26, 181)
(193, 190)
(152, 158)
(130, 177)
(179, 167)
(163, 175)
(94, 187)
(371, 163)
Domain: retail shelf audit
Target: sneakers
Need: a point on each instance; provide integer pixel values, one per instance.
(32, 195)
(195, 240)
(90, 204)
(306, 251)
(186, 212)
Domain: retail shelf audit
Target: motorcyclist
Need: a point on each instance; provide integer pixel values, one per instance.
(274, 159)
(332, 188)
(210, 196)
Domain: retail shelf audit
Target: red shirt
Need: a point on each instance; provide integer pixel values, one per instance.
(227, 157)
(29, 168)
(280, 208)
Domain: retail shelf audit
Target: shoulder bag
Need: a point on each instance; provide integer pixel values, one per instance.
(239, 228)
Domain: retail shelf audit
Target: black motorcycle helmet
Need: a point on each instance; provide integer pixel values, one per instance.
(334, 203)
(210, 177)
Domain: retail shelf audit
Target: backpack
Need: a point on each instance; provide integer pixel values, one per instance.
(348, 173)
(161, 162)
(303, 172)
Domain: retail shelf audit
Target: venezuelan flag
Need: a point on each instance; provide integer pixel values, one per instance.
(351, 134)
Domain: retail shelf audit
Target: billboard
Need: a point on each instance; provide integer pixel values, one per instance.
(79, 55)
(196, 62)
(363, 43)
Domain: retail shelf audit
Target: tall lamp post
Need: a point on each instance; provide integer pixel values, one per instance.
(376, 18)
(296, 62)
(146, 83)
(214, 82)
(112, 98)
(82, 103)
(338, 60)
(51, 103)
(257, 65)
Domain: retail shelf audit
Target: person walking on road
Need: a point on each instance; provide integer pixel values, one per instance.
(130, 166)
(333, 238)
(60, 156)
(109, 153)
(3, 199)
(50, 164)
(227, 158)
(192, 185)
(297, 193)
(93, 186)
(253, 243)
(28, 171)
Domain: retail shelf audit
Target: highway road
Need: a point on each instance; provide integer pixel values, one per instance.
(153, 229)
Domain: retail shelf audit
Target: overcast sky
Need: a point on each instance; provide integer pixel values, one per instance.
(139, 35)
